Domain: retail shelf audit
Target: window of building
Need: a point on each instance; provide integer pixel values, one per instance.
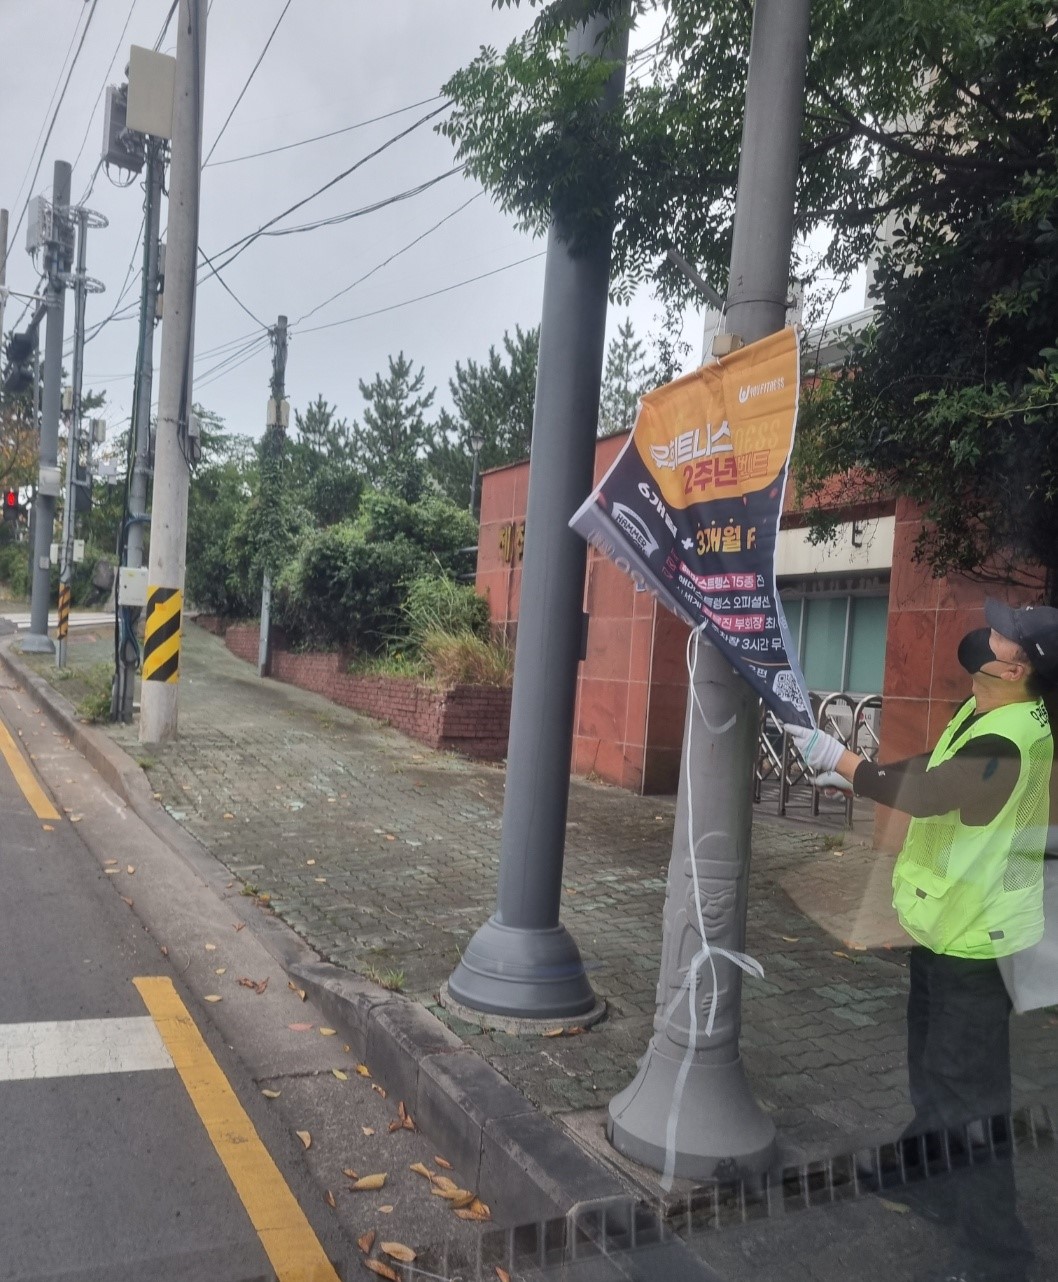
(840, 639)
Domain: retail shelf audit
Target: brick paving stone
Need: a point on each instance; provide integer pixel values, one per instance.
(383, 855)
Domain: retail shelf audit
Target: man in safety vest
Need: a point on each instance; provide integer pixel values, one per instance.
(968, 889)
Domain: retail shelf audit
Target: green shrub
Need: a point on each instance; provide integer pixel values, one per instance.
(439, 604)
(14, 568)
(465, 659)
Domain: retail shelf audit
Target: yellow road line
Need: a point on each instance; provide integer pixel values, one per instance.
(25, 778)
(286, 1235)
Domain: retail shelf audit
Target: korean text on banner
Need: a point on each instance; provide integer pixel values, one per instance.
(691, 508)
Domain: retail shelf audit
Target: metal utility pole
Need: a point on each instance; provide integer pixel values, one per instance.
(690, 1111)
(175, 441)
(136, 516)
(523, 963)
(37, 641)
(272, 453)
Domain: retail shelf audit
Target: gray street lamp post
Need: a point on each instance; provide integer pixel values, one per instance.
(477, 442)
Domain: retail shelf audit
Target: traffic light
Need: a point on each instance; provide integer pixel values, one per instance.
(18, 377)
(11, 508)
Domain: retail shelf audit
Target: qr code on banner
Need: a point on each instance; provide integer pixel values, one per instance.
(787, 689)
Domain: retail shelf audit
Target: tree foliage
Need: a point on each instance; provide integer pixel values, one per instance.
(493, 401)
(931, 119)
(324, 470)
(626, 376)
(395, 431)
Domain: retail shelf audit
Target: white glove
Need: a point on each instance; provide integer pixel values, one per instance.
(821, 752)
(829, 781)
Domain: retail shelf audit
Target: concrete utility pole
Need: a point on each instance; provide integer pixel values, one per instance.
(73, 441)
(128, 658)
(174, 442)
(275, 435)
(37, 641)
(523, 963)
(3, 266)
(690, 1112)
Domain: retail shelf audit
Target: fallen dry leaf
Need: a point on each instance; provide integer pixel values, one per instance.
(305, 1138)
(439, 1161)
(375, 1087)
(342, 1077)
(420, 1169)
(898, 1207)
(131, 870)
(363, 1070)
(382, 1269)
(111, 872)
(368, 1130)
(554, 1032)
(839, 953)
(385, 1210)
(326, 1032)
(349, 1173)
(477, 1210)
(221, 970)
(311, 863)
(574, 1031)
(329, 1198)
(367, 1183)
(465, 1200)
(238, 925)
(127, 900)
(108, 862)
(443, 1182)
(164, 951)
(792, 939)
(396, 1125)
(258, 985)
(213, 997)
(268, 1093)
(299, 1028)
(294, 989)
(502, 1274)
(397, 1251)
(210, 948)
(366, 1241)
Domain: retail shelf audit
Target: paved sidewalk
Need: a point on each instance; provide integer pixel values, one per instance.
(383, 854)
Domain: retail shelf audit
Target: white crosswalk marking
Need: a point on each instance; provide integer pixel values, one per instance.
(79, 1047)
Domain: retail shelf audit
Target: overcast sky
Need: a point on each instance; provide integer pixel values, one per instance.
(332, 64)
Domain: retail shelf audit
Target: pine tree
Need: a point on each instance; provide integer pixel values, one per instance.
(395, 431)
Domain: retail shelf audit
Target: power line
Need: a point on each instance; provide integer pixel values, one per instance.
(165, 25)
(360, 124)
(55, 114)
(222, 368)
(422, 297)
(245, 241)
(333, 220)
(47, 109)
(385, 263)
(227, 288)
(253, 72)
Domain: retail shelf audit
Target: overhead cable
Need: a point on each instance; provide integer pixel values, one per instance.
(304, 142)
(385, 262)
(227, 288)
(312, 329)
(245, 241)
(55, 116)
(253, 72)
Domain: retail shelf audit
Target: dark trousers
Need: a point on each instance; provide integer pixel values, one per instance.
(958, 1058)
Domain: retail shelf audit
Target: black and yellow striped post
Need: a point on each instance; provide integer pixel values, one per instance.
(64, 611)
(161, 641)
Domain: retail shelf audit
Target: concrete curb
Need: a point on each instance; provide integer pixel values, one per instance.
(532, 1168)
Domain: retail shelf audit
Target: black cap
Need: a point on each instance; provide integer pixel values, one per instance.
(1033, 627)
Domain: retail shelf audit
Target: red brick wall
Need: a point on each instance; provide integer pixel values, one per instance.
(473, 720)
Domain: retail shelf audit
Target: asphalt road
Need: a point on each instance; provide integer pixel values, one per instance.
(155, 1106)
(107, 1170)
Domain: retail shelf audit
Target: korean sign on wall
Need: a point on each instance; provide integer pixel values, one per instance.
(691, 507)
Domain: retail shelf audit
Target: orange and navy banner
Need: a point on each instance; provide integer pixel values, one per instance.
(691, 508)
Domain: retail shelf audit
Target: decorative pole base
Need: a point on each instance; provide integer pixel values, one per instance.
(34, 643)
(523, 974)
(721, 1131)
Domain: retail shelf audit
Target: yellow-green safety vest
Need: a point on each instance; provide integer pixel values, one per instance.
(977, 891)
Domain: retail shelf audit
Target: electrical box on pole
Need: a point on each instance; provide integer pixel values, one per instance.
(121, 146)
(152, 86)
